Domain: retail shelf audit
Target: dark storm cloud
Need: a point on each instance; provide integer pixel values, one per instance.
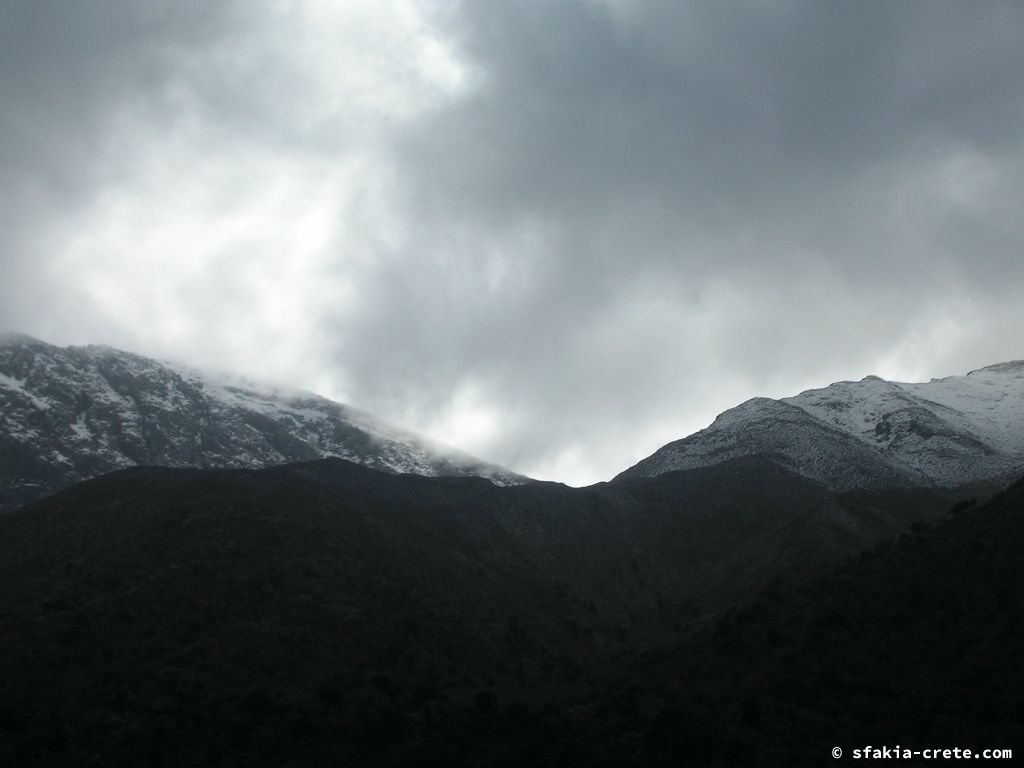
(630, 216)
(705, 101)
(726, 111)
(676, 192)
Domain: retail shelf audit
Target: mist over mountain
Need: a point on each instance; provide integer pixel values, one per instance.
(67, 414)
(872, 433)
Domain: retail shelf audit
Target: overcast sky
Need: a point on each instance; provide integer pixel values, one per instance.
(555, 233)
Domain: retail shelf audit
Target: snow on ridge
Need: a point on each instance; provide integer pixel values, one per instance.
(944, 432)
(106, 409)
(989, 401)
(954, 429)
(403, 451)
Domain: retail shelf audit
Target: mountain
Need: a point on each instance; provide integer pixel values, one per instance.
(326, 613)
(917, 644)
(872, 433)
(67, 414)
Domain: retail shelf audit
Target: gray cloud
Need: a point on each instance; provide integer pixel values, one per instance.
(78, 81)
(561, 234)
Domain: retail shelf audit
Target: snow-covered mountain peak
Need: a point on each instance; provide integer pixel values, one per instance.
(945, 432)
(67, 414)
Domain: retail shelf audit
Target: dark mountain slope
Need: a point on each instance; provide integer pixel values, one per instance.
(320, 612)
(919, 644)
(232, 617)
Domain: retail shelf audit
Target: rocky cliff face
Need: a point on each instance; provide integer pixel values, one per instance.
(74, 413)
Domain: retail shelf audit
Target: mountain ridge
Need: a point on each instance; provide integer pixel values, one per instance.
(68, 414)
(873, 432)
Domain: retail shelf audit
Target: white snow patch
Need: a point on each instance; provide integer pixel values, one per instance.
(989, 401)
(81, 429)
(9, 382)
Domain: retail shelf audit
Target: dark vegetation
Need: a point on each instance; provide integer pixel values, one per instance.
(327, 614)
(918, 643)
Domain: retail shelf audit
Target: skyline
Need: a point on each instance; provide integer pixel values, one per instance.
(951, 396)
(557, 235)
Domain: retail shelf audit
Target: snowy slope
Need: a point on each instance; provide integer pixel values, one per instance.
(787, 435)
(991, 401)
(872, 433)
(69, 414)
